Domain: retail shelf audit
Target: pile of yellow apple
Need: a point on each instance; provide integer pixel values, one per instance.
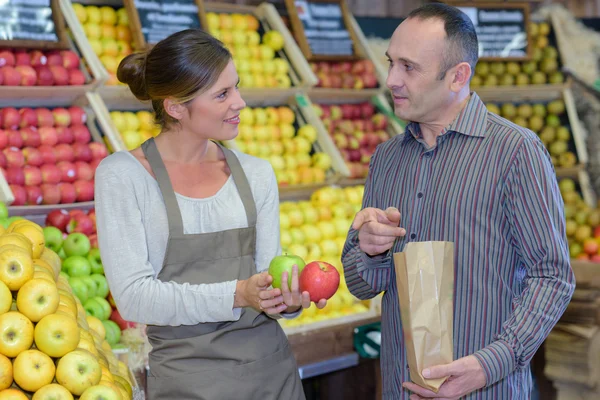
(270, 133)
(134, 127)
(108, 33)
(317, 230)
(49, 349)
(255, 58)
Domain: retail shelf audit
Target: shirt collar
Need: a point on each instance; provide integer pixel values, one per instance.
(471, 121)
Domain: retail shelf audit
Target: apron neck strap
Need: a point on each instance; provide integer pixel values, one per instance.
(164, 183)
(241, 182)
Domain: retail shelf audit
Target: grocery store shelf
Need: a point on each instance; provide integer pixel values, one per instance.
(38, 96)
(38, 214)
(121, 98)
(571, 172)
(522, 93)
(325, 95)
(587, 274)
(327, 366)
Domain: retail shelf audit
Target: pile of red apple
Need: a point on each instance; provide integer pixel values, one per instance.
(39, 68)
(346, 74)
(48, 156)
(356, 129)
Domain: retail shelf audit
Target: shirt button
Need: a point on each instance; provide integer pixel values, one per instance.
(413, 235)
(428, 154)
(419, 195)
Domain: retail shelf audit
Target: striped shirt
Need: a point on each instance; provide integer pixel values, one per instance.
(487, 185)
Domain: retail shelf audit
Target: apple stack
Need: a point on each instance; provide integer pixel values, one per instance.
(270, 133)
(40, 68)
(134, 127)
(549, 121)
(356, 129)
(255, 58)
(49, 348)
(108, 33)
(316, 230)
(346, 74)
(48, 156)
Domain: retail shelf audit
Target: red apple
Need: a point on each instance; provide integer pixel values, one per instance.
(82, 152)
(51, 173)
(324, 66)
(28, 117)
(336, 81)
(62, 117)
(38, 59)
(94, 164)
(84, 171)
(3, 162)
(7, 58)
(367, 110)
(595, 258)
(20, 195)
(44, 117)
(64, 152)
(54, 58)
(34, 195)
(81, 223)
(591, 246)
(10, 76)
(99, 150)
(60, 75)
(15, 139)
(14, 157)
(358, 68)
(3, 139)
(123, 324)
(22, 59)
(50, 194)
(68, 171)
(78, 115)
(33, 156)
(92, 214)
(85, 190)
(348, 81)
(33, 175)
(64, 135)
(68, 195)
(28, 75)
(48, 154)
(58, 219)
(11, 118)
(320, 279)
(31, 137)
(75, 212)
(597, 232)
(81, 133)
(76, 77)
(379, 121)
(14, 176)
(94, 244)
(369, 80)
(48, 136)
(45, 76)
(70, 59)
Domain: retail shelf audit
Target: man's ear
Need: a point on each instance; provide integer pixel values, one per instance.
(461, 76)
(174, 109)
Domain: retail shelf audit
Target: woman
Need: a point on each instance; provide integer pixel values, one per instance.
(184, 226)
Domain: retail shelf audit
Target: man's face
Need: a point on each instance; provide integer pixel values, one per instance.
(415, 51)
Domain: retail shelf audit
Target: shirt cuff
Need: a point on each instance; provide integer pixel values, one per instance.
(292, 315)
(229, 300)
(380, 260)
(497, 361)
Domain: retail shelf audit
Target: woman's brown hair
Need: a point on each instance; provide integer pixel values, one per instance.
(180, 67)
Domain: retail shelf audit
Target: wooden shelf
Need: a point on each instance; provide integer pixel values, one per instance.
(522, 93)
(587, 274)
(318, 94)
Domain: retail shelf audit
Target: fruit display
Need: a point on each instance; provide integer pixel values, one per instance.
(134, 127)
(275, 134)
(48, 155)
(108, 33)
(345, 74)
(316, 231)
(583, 223)
(21, 67)
(257, 55)
(49, 347)
(356, 130)
(543, 68)
(549, 121)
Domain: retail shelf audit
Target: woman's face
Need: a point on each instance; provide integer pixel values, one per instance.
(215, 113)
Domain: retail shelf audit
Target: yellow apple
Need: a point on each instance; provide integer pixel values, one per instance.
(122, 17)
(287, 130)
(96, 46)
(100, 392)
(78, 370)
(16, 332)
(96, 325)
(321, 161)
(37, 298)
(65, 310)
(329, 247)
(39, 273)
(57, 335)
(299, 250)
(212, 21)
(277, 162)
(17, 239)
(132, 139)
(261, 132)
(6, 372)
(12, 394)
(276, 148)
(260, 116)
(92, 30)
(285, 239)
(16, 266)
(80, 12)
(259, 80)
(146, 120)
(289, 146)
(35, 234)
(66, 299)
(302, 160)
(106, 374)
(246, 117)
(39, 264)
(282, 66)
(52, 391)
(246, 80)
(302, 145)
(123, 382)
(308, 132)
(5, 298)
(119, 120)
(108, 15)
(33, 369)
(239, 22)
(225, 22)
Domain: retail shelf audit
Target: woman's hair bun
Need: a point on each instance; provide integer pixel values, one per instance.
(132, 71)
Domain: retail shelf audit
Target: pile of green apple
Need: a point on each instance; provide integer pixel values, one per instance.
(82, 266)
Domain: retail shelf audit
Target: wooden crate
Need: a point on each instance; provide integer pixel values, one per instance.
(90, 103)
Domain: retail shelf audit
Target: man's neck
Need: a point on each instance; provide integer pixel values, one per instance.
(432, 130)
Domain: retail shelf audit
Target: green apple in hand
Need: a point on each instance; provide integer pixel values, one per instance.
(283, 263)
(53, 237)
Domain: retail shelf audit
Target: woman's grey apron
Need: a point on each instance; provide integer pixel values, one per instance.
(245, 359)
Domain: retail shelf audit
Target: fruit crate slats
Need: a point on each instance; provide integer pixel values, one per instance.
(587, 274)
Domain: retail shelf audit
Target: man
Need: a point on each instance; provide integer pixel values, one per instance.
(461, 174)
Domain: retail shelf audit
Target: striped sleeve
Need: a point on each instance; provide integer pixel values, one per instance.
(366, 276)
(534, 210)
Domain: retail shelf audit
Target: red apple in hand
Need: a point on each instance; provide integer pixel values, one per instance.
(320, 279)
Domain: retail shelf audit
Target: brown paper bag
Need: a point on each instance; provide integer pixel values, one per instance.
(425, 280)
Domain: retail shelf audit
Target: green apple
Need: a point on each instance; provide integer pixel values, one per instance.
(61, 253)
(94, 308)
(118, 346)
(281, 264)
(105, 306)
(80, 289)
(101, 285)
(53, 237)
(95, 261)
(12, 219)
(64, 274)
(3, 210)
(91, 284)
(4, 222)
(77, 266)
(113, 332)
(77, 244)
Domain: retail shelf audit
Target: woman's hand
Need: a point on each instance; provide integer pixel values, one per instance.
(294, 300)
(253, 292)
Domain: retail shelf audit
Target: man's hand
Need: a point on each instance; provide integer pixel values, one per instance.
(377, 229)
(465, 376)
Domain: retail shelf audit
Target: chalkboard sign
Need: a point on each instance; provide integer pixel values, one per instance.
(154, 20)
(502, 29)
(32, 24)
(322, 29)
